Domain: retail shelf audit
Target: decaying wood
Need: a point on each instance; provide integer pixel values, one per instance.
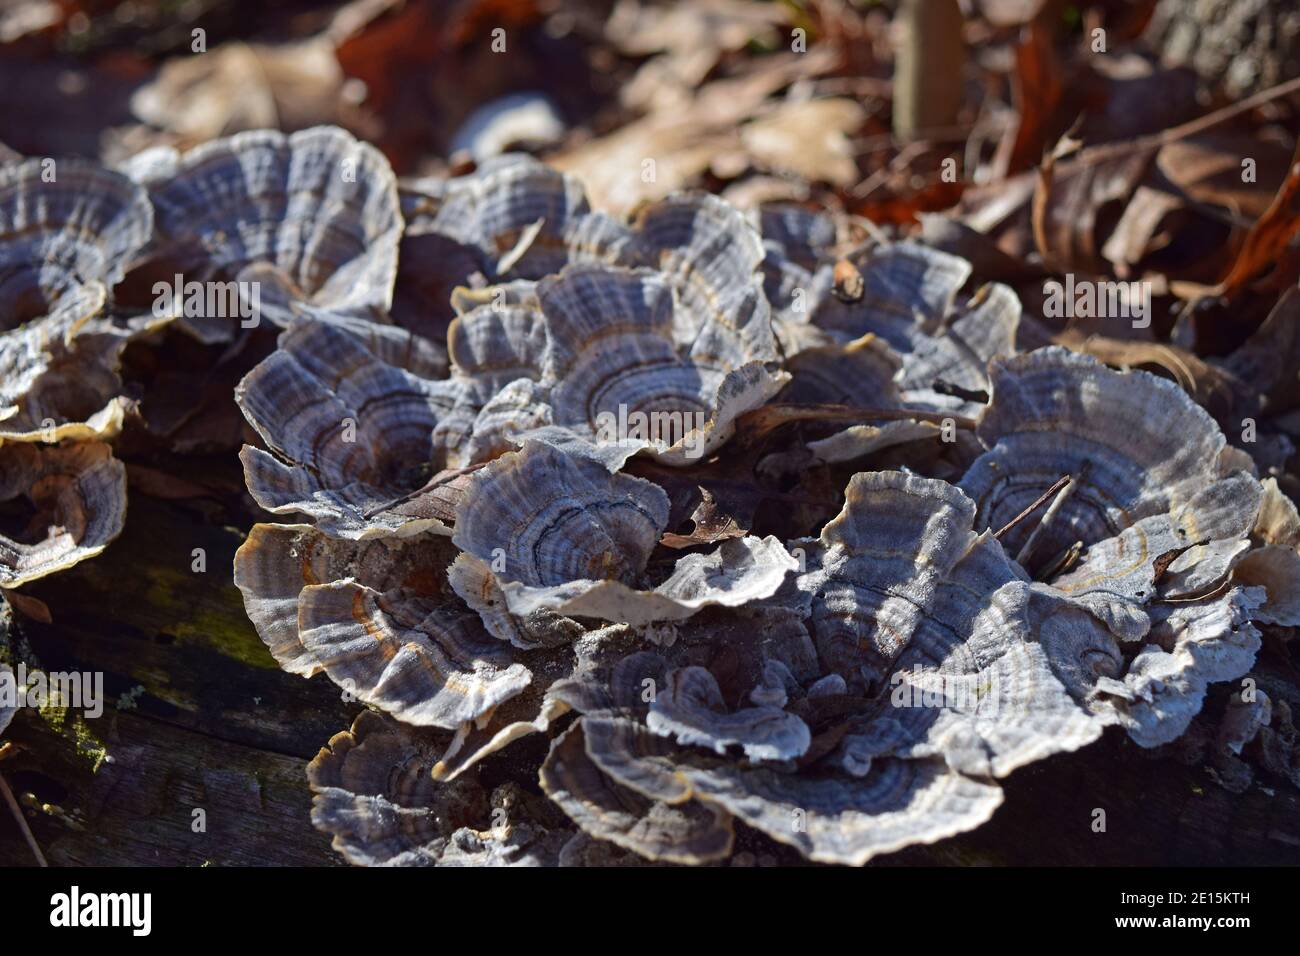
(198, 716)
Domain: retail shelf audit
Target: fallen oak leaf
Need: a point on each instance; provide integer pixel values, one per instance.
(711, 524)
(1108, 174)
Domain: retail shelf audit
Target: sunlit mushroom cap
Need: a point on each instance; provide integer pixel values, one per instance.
(948, 371)
(546, 532)
(907, 290)
(69, 230)
(801, 235)
(375, 796)
(64, 225)
(879, 715)
(711, 256)
(1274, 563)
(619, 371)
(669, 829)
(350, 436)
(524, 218)
(379, 618)
(78, 493)
(1154, 503)
(1192, 645)
(314, 215)
(592, 358)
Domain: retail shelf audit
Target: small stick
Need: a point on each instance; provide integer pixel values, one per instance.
(22, 822)
(1061, 563)
(1108, 151)
(437, 481)
(790, 412)
(1064, 493)
(1038, 502)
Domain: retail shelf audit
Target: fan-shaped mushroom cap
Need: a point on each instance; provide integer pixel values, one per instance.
(909, 300)
(558, 534)
(378, 617)
(1193, 645)
(908, 289)
(829, 819)
(79, 493)
(68, 232)
(512, 219)
(860, 373)
(589, 360)
(67, 386)
(680, 832)
(314, 214)
(525, 219)
(62, 227)
(1274, 563)
(907, 594)
(711, 256)
(355, 433)
(1149, 481)
(554, 518)
(949, 370)
(616, 357)
(691, 709)
(876, 715)
(376, 798)
(799, 234)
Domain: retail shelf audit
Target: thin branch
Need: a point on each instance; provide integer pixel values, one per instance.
(1108, 151)
(782, 412)
(1023, 557)
(437, 481)
(1038, 503)
(22, 822)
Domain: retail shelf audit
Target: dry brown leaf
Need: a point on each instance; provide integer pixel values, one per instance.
(1270, 235)
(161, 484)
(1077, 203)
(666, 151)
(1211, 387)
(711, 524)
(809, 140)
(28, 606)
(241, 86)
(1037, 85)
(1211, 169)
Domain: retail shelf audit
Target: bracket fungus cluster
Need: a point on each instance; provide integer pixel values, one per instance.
(486, 559)
(922, 558)
(67, 236)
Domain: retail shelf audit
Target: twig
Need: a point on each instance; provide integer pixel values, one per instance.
(22, 822)
(437, 481)
(1038, 502)
(1023, 557)
(1061, 563)
(783, 412)
(1103, 153)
